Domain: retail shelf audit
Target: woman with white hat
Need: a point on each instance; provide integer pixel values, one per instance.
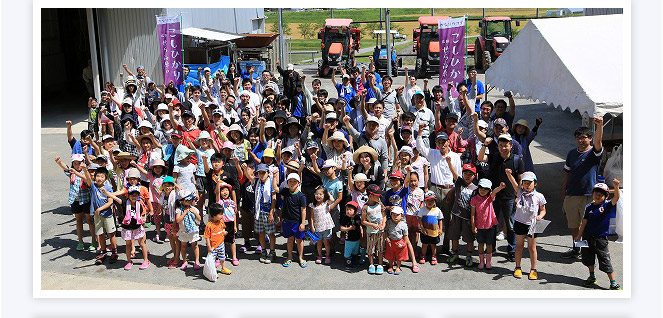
(336, 148)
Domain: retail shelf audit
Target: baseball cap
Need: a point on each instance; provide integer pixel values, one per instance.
(506, 137)
(371, 100)
(93, 166)
(419, 92)
(346, 76)
(145, 123)
(442, 135)
(290, 67)
(482, 123)
(528, 176)
(101, 157)
(328, 164)
(469, 167)
(176, 101)
(407, 150)
(106, 137)
(360, 177)
(162, 106)
(406, 128)
(312, 144)
(187, 113)
(176, 134)
(133, 189)
(77, 157)
(185, 195)
(228, 145)
(168, 179)
(453, 116)
(127, 101)
(601, 186)
(262, 167)
(374, 189)
(499, 121)
(293, 176)
(169, 96)
(217, 112)
(289, 149)
(133, 173)
(485, 183)
(207, 69)
(331, 116)
(353, 204)
(397, 210)
(396, 174)
(430, 195)
(372, 118)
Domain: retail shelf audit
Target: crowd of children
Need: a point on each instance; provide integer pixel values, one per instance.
(376, 170)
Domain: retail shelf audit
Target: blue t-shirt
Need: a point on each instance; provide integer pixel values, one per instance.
(259, 149)
(77, 148)
(598, 218)
(333, 187)
(480, 90)
(369, 91)
(299, 105)
(403, 193)
(98, 199)
(347, 93)
(583, 168)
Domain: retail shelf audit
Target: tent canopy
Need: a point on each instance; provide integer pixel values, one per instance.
(210, 34)
(571, 63)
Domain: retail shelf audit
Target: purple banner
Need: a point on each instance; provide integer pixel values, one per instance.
(452, 52)
(170, 42)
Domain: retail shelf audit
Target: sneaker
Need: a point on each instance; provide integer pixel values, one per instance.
(511, 257)
(272, 257)
(379, 270)
(433, 261)
(469, 262)
(263, 257)
(571, 253)
(371, 269)
(258, 249)
(93, 247)
(615, 287)
(145, 265)
(590, 282)
(242, 249)
(226, 271)
(166, 239)
(518, 273)
(80, 246)
(422, 260)
(533, 275)
(452, 259)
(500, 236)
(318, 260)
(128, 266)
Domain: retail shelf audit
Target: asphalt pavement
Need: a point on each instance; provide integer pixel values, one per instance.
(60, 259)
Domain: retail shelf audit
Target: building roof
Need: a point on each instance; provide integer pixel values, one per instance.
(338, 22)
(211, 34)
(431, 20)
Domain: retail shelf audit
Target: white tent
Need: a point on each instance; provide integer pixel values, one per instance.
(571, 63)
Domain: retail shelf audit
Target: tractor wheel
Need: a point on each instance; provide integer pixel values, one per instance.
(477, 56)
(321, 68)
(487, 60)
(394, 71)
(420, 68)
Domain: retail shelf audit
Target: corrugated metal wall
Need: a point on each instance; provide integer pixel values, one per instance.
(602, 11)
(129, 36)
(234, 20)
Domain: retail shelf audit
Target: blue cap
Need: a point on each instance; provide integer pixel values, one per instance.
(442, 135)
(419, 92)
(262, 167)
(312, 144)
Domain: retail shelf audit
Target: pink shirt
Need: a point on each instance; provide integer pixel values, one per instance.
(484, 217)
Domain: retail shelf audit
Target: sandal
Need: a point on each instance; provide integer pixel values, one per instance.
(287, 263)
(390, 270)
(303, 264)
(235, 262)
(422, 260)
(196, 266)
(242, 249)
(100, 259)
(415, 268)
(433, 261)
(327, 260)
(397, 271)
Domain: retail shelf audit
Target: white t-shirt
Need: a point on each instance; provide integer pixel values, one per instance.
(185, 176)
(195, 108)
(528, 206)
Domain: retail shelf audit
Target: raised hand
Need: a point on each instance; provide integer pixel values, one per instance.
(346, 119)
(508, 94)
(68, 122)
(539, 120)
(598, 120)
(508, 171)
(488, 141)
(502, 185)
(615, 183)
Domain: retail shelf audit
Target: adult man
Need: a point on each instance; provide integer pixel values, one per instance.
(582, 166)
(290, 77)
(500, 109)
(474, 87)
(345, 90)
(265, 78)
(424, 117)
(370, 138)
(391, 99)
(444, 166)
(499, 159)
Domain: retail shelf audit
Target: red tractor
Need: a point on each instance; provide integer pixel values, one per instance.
(339, 44)
(427, 46)
(496, 34)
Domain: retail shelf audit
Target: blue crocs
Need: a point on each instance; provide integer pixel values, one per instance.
(379, 270)
(371, 269)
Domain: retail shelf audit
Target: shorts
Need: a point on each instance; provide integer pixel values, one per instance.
(188, 237)
(487, 236)
(574, 209)
(459, 228)
(521, 229)
(425, 239)
(133, 234)
(351, 248)
(230, 232)
(374, 243)
(325, 235)
(412, 222)
(77, 208)
(201, 184)
(598, 248)
(104, 225)
(262, 226)
(219, 252)
(290, 228)
(93, 127)
(396, 250)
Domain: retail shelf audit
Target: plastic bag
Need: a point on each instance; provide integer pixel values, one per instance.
(209, 270)
(619, 228)
(614, 165)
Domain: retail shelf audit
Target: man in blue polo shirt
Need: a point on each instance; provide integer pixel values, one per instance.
(345, 90)
(582, 166)
(475, 88)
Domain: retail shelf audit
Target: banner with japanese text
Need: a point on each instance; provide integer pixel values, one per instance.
(170, 42)
(452, 51)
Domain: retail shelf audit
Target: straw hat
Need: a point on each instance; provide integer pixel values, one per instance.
(364, 149)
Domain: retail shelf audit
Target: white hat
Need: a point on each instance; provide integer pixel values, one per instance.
(133, 173)
(407, 150)
(185, 195)
(290, 149)
(360, 177)
(127, 100)
(528, 176)
(331, 115)
(145, 123)
(371, 100)
(329, 163)
(293, 176)
(133, 189)
(485, 183)
(346, 76)
(270, 124)
(505, 137)
(290, 67)
(169, 96)
(482, 123)
(372, 118)
(162, 106)
(245, 92)
(397, 210)
(106, 137)
(77, 157)
(337, 136)
(207, 69)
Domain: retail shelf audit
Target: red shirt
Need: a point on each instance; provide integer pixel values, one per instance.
(454, 143)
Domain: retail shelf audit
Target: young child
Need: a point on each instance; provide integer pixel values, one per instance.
(265, 205)
(530, 208)
(168, 204)
(396, 241)
(293, 215)
(132, 226)
(321, 221)
(413, 203)
(203, 153)
(215, 234)
(484, 221)
(229, 208)
(187, 217)
(100, 204)
(155, 177)
(79, 198)
(430, 222)
(459, 225)
(334, 187)
(595, 229)
(351, 225)
(374, 218)
(184, 170)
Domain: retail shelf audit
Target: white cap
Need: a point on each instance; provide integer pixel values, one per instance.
(360, 177)
(77, 157)
(397, 210)
(346, 76)
(293, 176)
(169, 96)
(485, 183)
(371, 100)
(145, 123)
(207, 69)
(528, 176)
(290, 149)
(482, 123)
(185, 194)
(329, 163)
(162, 106)
(290, 67)
(127, 100)
(505, 137)
(372, 118)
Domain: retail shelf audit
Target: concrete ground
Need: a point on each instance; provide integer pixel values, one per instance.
(65, 268)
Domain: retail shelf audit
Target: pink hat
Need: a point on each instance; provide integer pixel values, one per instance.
(228, 145)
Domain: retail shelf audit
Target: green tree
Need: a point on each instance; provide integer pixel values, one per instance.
(274, 28)
(306, 30)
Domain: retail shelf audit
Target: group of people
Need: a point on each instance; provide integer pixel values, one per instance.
(380, 173)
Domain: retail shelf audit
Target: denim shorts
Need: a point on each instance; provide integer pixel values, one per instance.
(324, 234)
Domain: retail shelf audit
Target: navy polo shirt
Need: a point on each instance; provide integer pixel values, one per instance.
(583, 169)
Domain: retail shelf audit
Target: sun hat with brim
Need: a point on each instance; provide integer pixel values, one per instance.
(270, 124)
(329, 163)
(163, 120)
(331, 116)
(102, 158)
(169, 96)
(280, 114)
(146, 124)
(291, 121)
(203, 135)
(77, 157)
(337, 136)
(528, 176)
(182, 153)
(157, 162)
(228, 145)
(360, 177)
(128, 118)
(371, 100)
(372, 119)
(133, 173)
(365, 149)
(522, 122)
(397, 210)
(430, 195)
(407, 150)
(125, 155)
(485, 183)
(292, 165)
(236, 127)
(269, 153)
